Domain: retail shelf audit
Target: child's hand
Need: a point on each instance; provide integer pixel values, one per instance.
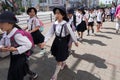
(11, 49)
(4, 49)
(25, 28)
(76, 44)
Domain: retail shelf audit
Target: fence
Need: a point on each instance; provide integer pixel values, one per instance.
(45, 18)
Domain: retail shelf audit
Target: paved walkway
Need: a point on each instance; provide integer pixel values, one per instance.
(96, 58)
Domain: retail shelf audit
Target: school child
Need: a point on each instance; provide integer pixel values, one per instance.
(99, 19)
(33, 28)
(81, 23)
(18, 68)
(62, 30)
(72, 22)
(91, 21)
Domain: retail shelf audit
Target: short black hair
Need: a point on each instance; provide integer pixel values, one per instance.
(29, 10)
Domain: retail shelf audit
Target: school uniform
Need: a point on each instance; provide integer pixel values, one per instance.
(91, 19)
(72, 24)
(99, 17)
(81, 24)
(37, 35)
(17, 69)
(62, 33)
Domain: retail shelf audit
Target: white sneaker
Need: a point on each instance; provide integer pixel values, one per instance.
(42, 51)
(79, 39)
(93, 34)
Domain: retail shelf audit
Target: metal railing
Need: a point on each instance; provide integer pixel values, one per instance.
(45, 18)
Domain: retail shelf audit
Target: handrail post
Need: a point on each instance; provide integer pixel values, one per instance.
(51, 17)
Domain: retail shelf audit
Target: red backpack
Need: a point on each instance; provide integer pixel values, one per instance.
(28, 35)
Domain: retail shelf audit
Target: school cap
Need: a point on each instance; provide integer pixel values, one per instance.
(60, 8)
(70, 11)
(62, 11)
(8, 16)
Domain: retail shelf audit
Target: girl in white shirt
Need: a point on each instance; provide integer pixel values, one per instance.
(81, 23)
(99, 19)
(72, 22)
(17, 69)
(62, 30)
(33, 25)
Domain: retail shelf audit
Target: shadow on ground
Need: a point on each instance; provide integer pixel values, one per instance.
(103, 36)
(97, 61)
(92, 41)
(45, 68)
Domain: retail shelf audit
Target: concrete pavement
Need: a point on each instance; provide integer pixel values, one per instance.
(96, 58)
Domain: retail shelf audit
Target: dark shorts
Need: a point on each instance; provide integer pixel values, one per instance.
(99, 22)
(91, 24)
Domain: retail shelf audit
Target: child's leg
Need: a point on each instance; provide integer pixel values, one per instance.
(42, 51)
(78, 34)
(92, 29)
(88, 30)
(81, 35)
(98, 27)
(117, 26)
(58, 67)
(32, 74)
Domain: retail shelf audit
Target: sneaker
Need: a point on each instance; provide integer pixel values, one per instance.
(42, 51)
(70, 51)
(116, 31)
(93, 34)
(88, 35)
(34, 76)
(79, 39)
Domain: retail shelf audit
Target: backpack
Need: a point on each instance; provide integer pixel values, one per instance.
(118, 15)
(41, 29)
(41, 26)
(28, 35)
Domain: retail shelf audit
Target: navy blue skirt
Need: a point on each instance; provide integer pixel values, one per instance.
(81, 27)
(37, 37)
(18, 68)
(59, 48)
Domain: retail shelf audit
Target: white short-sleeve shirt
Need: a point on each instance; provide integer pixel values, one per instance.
(32, 23)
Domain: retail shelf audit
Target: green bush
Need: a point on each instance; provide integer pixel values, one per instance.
(22, 9)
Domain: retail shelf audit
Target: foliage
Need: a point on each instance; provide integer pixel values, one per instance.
(22, 9)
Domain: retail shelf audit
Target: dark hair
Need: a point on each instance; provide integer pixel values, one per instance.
(15, 25)
(18, 27)
(62, 12)
(29, 10)
(70, 11)
(82, 10)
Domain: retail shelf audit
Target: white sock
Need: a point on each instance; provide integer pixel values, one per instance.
(57, 70)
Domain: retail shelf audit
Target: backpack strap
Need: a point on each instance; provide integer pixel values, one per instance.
(74, 20)
(61, 30)
(63, 26)
(32, 24)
